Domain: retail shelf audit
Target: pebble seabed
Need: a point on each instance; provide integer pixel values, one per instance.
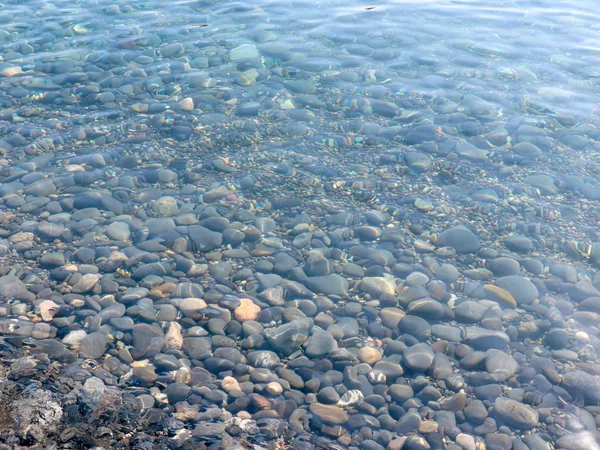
(182, 267)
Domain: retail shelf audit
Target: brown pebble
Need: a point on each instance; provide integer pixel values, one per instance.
(230, 384)
(163, 291)
(274, 388)
(369, 355)
(248, 310)
(260, 402)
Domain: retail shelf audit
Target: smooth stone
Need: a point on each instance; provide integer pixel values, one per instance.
(328, 396)
(519, 244)
(523, 290)
(177, 392)
(408, 423)
(516, 414)
(420, 134)
(460, 238)
(244, 51)
(469, 311)
(316, 265)
(50, 230)
(52, 260)
(203, 239)
(320, 344)
(263, 359)
(289, 337)
(122, 323)
(391, 317)
(367, 233)
(426, 308)
(85, 284)
(419, 357)
(588, 385)
(497, 294)
(192, 307)
(499, 363)
(13, 288)
(557, 338)
(545, 183)
(417, 326)
(441, 368)
(377, 286)
(447, 332)
(390, 369)
(118, 231)
(504, 266)
(447, 273)
(165, 206)
(93, 345)
(369, 355)
(527, 149)
(328, 284)
(112, 311)
(247, 310)
(486, 339)
(476, 412)
(146, 336)
(329, 414)
(196, 347)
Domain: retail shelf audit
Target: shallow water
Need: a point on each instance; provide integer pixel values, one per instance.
(324, 224)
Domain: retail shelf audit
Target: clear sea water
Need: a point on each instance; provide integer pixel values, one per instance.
(480, 113)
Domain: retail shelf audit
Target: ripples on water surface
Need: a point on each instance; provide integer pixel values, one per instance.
(303, 225)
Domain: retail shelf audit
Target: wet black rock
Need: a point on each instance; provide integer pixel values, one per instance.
(416, 326)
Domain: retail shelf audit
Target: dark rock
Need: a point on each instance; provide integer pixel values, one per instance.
(419, 357)
(93, 346)
(461, 239)
(289, 337)
(328, 284)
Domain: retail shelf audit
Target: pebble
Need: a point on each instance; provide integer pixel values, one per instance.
(419, 357)
(522, 289)
(289, 337)
(516, 414)
(93, 345)
(328, 284)
(247, 310)
(118, 231)
(48, 310)
(329, 414)
(461, 239)
(369, 355)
